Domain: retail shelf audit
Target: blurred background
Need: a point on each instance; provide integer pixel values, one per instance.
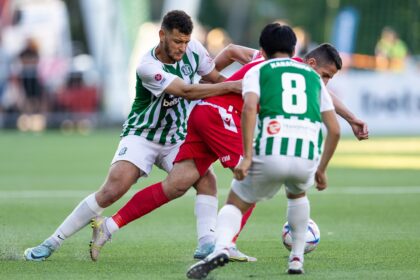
(70, 65)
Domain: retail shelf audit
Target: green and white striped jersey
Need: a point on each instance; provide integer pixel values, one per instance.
(291, 98)
(158, 116)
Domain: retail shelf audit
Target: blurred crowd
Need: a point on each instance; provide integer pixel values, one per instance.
(40, 71)
(390, 51)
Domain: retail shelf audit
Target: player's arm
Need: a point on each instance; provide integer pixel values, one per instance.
(359, 127)
(158, 82)
(248, 120)
(199, 91)
(333, 135)
(232, 53)
(213, 77)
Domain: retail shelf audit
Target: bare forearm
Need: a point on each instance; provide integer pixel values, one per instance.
(331, 142)
(222, 62)
(233, 53)
(200, 91)
(341, 109)
(248, 121)
(329, 118)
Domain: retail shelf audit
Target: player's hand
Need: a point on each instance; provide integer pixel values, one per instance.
(235, 86)
(241, 170)
(360, 129)
(321, 180)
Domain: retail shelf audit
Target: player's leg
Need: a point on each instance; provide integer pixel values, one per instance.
(259, 184)
(234, 253)
(121, 176)
(245, 218)
(206, 203)
(215, 137)
(298, 208)
(179, 180)
(124, 172)
(228, 225)
(205, 210)
(298, 218)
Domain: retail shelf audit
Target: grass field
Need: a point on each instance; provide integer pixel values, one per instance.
(369, 216)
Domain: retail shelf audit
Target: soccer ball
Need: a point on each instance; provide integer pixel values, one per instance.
(313, 236)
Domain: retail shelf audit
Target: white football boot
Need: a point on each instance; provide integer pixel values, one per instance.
(237, 256)
(100, 236)
(295, 266)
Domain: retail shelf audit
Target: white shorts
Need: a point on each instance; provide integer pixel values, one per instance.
(268, 173)
(144, 153)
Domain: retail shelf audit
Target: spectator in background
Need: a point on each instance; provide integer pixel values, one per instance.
(4, 72)
(34, 103)
(30, 82)
(390, 51)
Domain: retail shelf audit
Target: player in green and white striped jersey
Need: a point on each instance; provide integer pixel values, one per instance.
(293, 103)
(155, 127)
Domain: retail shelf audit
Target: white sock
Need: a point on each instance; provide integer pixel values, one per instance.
(79, 218)
(228, 225)
(111, 225)
(298, 218)
(206, 213)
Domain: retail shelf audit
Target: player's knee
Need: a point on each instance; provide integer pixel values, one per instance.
(207, 184)
(107, 195)
(173, 191)
(180, 192)
(113, 189)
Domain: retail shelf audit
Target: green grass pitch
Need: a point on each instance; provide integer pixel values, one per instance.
(368, 217)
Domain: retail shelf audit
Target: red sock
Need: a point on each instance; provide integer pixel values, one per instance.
(143, 202)
(245, 218)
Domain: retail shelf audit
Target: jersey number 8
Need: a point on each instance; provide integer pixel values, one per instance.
(294, 93)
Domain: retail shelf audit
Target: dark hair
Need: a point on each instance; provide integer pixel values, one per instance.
(177, 19)
(277, 38)
(325, 54)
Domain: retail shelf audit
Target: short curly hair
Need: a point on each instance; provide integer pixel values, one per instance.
(177, 19)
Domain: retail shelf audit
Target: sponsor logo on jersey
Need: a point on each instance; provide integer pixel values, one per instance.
(122, 151)
(170, 101)
(158, 77)
(273, 127)
(186, 69)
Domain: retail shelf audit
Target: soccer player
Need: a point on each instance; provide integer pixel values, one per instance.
(293, 102)
(213, 122)
(156, 125)
(316, 58)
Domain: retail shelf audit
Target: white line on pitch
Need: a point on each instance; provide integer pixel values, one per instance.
(9, 194)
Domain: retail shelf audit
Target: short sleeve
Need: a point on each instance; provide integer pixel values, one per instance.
(205, 61)
(326, 100)
(154, 78)
(250, 83)
(257, 55)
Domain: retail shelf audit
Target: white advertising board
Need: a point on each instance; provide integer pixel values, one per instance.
(388, 102)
